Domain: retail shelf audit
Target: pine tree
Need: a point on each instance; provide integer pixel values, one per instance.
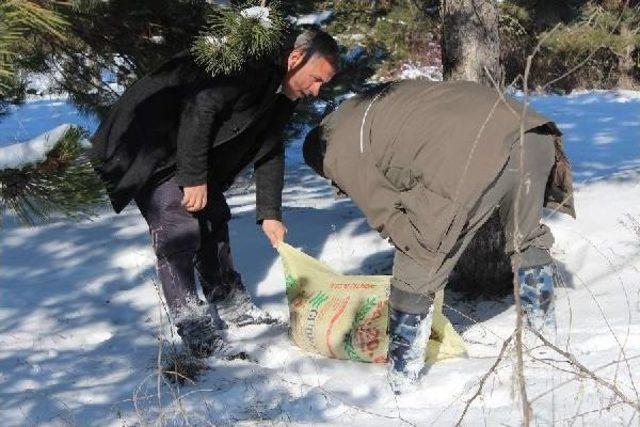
(484, 268)
(611, 25)
(21, 22)
(111, 44)
(64, 181)
(594, 46)
(545, 14)
(471, 51)
(121, 42)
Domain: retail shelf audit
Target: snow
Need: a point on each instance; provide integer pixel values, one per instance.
(602, 131)
(41, 85)
(33, 151)
(419, 71)
(259, 13)
(157, 39)
(216, 42)
(36, 117)
(80, 314)
(312, 18)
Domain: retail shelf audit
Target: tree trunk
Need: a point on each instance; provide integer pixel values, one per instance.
(470, 41)
(470, 50)
(626, 63)
(484, 269)
(625, 68)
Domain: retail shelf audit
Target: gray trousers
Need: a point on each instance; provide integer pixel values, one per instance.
(188, 243)
(413, 287)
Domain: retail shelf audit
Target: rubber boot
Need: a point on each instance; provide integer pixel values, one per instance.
(408, 338)
(537, 297)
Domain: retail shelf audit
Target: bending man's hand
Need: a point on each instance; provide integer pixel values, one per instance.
(195, 198)
(274, 230)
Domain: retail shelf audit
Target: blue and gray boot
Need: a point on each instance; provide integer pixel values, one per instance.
(536, 296)
(408, 338)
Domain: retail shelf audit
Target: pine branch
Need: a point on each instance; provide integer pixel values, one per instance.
(17, 19)
(64, 182)
(235, 36)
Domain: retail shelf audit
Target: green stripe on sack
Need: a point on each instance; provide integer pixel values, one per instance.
(318, 299)
(290, 282)
(366, 307)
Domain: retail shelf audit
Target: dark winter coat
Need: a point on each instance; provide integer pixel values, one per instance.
(176, 118)
(416, 156)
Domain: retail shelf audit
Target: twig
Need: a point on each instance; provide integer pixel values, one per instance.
(604, 317)
(588, 372)
(159, 370)
(562, 384)
(582, 414)
(505, 345)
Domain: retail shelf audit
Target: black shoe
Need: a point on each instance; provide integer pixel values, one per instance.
(200, 335)
(238, 309)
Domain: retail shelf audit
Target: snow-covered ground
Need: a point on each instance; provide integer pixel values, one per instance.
(80, 315)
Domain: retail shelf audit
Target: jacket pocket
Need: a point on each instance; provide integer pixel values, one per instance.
(404, 236)
(436, 219)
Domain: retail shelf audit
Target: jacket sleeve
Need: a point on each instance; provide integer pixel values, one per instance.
(269, 173)
(194, 135)
(383, 207)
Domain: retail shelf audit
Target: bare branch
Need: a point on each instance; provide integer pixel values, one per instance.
(588, 372)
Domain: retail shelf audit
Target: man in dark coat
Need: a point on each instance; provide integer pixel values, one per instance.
(428, 163)
(177, 139)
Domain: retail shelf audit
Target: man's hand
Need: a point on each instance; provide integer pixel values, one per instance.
(274, 230)
(195, 198)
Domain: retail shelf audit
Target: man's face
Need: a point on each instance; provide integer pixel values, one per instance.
(306, 79)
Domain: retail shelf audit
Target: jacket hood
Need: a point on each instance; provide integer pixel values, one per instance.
(314, 149)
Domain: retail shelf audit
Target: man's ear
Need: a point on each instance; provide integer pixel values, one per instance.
(295, 59)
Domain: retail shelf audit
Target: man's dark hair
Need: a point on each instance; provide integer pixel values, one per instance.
(314, 41)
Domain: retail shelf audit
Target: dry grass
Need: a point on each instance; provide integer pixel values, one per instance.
(179, 366)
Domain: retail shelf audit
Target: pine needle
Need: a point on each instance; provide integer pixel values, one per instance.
(64, 182)
(232, 39)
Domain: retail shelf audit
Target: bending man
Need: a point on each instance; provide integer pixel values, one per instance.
(428, 163)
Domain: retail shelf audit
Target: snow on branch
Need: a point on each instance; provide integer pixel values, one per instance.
(311, 18)
(34, 151)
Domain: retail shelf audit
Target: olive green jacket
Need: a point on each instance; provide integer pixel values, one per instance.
(415, 156)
